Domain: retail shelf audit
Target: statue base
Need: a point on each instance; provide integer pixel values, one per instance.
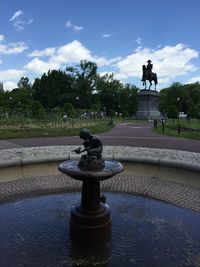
(148, 105)
(90, 227)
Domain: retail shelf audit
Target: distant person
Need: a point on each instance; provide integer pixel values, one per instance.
(188, 117)
(155, 123)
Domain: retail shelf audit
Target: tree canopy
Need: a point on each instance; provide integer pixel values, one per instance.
(186, 98)
(80, 87)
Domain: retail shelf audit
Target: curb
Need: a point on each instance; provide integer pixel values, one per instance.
(142, 160)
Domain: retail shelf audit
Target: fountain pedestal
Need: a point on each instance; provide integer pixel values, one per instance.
(91, 220)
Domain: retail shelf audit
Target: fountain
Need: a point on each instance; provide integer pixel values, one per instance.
(91, 220)
(42, 224)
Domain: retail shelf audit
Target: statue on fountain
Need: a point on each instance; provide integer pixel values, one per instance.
(90, 222)
(93, 146)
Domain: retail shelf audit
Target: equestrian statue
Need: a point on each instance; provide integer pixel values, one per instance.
(148, 75)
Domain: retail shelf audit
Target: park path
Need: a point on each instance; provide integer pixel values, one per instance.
(125, 134)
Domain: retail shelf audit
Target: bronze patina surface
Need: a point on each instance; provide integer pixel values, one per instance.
(91, 220)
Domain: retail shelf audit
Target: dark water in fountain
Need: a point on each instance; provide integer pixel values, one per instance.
(145, 232)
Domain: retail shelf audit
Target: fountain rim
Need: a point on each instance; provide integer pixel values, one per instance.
(134, 159)
(24, 164)
(104, 173)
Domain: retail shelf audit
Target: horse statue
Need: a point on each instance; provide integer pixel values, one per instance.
(148, 76)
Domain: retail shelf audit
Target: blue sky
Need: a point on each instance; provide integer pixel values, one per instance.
(120, 36)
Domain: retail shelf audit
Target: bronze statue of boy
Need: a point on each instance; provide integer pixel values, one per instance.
(94, 147)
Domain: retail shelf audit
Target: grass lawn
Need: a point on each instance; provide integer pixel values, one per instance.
(31, 130)
(187, 129)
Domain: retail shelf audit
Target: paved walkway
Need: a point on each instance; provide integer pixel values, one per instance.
(127, 134)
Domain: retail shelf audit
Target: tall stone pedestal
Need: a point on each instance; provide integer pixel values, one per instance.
(148, 105)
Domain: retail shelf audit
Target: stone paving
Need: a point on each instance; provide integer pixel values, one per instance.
(181, 195)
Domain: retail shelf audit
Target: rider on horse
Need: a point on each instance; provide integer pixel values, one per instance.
(148, 74)
(149, 69)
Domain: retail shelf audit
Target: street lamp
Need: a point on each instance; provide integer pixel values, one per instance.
(10, 100)
(178, 100)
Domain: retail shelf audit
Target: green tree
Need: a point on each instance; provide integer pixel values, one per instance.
(54, 89)
(68, 109)
(20, 101)
(37, 110)
(24, 83)
(108, 90)
(128, 99)
(172, 112)
(85, 82)
(4, 102)
(115, 96)
(183, 96)
(194, 112)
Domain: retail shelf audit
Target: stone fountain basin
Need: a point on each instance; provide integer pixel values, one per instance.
(179, 166)
(173, 179)
(169, 175)
(71, 168)
(146, 232)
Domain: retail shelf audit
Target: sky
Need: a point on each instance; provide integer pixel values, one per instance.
(120, 36)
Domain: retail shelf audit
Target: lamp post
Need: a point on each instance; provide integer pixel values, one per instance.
(10, 100)
(178, 100)
(77, 101)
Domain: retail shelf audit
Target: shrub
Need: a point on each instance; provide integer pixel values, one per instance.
(172, 112)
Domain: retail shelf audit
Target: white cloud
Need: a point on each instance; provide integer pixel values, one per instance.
(16, 15)
(78, 28)
(139, 41)
(103, 61)
(70, 53)
(38, 66)
(194, 79)
(11, 74)
(74, 27)
(115, 59)
(18, 23)
(9, 85)
(120, 76)
(103, 73)
(30, 21)
(2, 38)
(13, 48)
(106, 35)
(43, 53)
(69, 24)
(169, 62)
